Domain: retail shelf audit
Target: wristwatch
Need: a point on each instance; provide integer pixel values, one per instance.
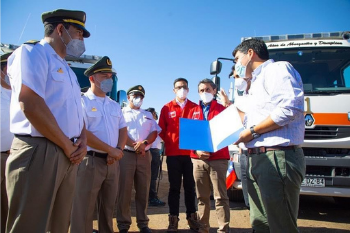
(254, 134)
(145, 142)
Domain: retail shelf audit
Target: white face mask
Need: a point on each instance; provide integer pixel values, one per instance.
(206, 97)
(105, 85)
(75, 47)
(137, 102)
(241, 84)
(182, 93)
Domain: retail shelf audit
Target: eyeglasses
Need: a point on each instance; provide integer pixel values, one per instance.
(179, 87)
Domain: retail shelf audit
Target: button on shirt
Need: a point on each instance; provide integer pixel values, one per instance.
(103, 117)
(140, 124)
(6, 135)
(41, 69)
(277, 91)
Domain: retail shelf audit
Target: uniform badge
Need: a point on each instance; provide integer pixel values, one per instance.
(94, 109)
(196, 115)
(60, 71)
(172, 114)
(109, 62)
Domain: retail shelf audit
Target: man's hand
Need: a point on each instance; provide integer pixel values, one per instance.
(244, 136)
(203, 155)
(110, 160)
(81, 149)
(223, 98)
(140, 148)
(115, 153)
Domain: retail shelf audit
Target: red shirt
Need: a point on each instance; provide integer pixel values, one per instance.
(169, 122)
(215, 109)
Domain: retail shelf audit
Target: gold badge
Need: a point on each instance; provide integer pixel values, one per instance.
(93, 109)
(109, 62)
(140, 88)
(60, 71)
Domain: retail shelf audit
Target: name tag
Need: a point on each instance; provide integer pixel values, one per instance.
(172, 114)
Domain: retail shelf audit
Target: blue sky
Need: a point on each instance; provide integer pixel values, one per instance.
(153, 42)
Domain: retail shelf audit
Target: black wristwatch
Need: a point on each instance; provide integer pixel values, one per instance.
(145, 142)
(118, 147)
(254, 134)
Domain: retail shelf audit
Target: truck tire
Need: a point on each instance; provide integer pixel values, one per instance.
(235, 195)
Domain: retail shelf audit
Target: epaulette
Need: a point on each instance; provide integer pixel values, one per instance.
(33, 42)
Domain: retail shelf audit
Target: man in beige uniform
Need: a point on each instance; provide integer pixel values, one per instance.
(98, 174)
(47, 120)
(135, 167)
(6, 135)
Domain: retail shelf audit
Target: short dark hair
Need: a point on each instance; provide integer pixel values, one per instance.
(151, 110)
(179, 80)
(50, 27)
(258, 46)
(206, 81)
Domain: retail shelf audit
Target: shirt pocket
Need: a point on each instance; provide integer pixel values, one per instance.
(115, 117)
(59, 85)
(94, 119)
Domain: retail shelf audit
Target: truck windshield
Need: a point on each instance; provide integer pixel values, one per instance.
(323, 70)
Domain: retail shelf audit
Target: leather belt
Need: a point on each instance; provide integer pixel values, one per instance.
(97, 154)
(263, 149)
(132, 151)
(73, 139)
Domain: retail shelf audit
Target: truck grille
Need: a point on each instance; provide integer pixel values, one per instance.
(325, 132)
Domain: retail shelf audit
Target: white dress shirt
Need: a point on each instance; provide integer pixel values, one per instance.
(140, 124)
(6, 135)
(103, 117)
(41, 69)
(276, 91)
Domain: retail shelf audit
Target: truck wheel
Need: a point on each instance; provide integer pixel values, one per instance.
(235, 195)
(342, 201)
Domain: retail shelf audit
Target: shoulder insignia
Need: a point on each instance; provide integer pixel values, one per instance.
(33, 42)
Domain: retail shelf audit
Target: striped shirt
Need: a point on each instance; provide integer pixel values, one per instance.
(276, 91)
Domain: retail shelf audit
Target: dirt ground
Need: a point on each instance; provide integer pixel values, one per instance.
(316, 214)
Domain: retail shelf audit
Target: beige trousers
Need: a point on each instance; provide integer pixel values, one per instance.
(40, 183)
(4, 204)
(214, 172)
(97, 182)
(135, 169)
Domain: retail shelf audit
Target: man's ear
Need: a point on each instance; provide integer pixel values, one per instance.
(59, 29)
(91, 78)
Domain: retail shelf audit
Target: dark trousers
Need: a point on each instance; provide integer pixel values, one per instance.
(244, 163)
(155, 152)
(181, 167)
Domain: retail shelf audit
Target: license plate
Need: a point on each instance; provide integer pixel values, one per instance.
(313, 182)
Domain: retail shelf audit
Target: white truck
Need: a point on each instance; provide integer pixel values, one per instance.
(323, 61)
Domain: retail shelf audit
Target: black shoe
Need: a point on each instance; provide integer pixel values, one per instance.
(145, 230)
(155, 202)
(94, 231)
(123, 231)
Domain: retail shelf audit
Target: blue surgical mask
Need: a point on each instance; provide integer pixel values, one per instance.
(105, 85)
(6, 78)
(241, 69)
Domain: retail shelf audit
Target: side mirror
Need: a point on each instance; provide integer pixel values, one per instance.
(215, 67)
(122, 99)
(216, 80)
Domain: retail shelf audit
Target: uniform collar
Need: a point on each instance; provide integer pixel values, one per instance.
(258, 70)
(91, 95)
(49, 49)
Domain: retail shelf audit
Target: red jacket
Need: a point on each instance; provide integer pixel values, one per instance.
(215, 109)
(169, 122)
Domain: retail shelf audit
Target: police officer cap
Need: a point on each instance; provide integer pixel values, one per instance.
(104, 65)
(76, 18)
(136, 89)
(4, 58)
